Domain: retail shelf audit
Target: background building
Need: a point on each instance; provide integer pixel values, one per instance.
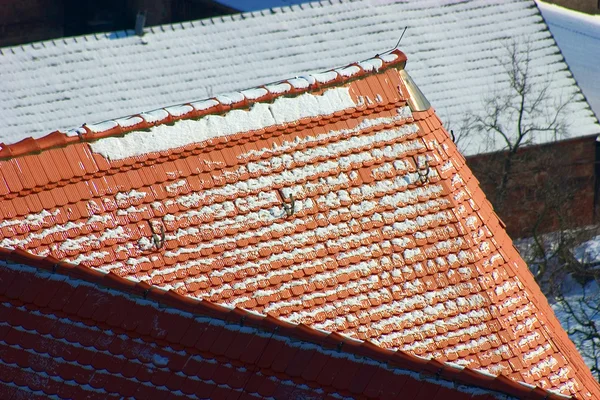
(25, 21)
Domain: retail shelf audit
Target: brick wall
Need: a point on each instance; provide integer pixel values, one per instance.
(552, 186)
(586, 6)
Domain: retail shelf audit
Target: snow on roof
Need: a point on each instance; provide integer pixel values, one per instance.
(112, 338)
(578, 36)
(260, 116)
(255, 5)
(64, 83)
(359, 218)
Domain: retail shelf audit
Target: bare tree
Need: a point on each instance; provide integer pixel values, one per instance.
(519, 112)
(580, 316)
(569, 278)
(579, 311)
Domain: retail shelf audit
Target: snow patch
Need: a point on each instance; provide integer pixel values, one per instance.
(159, 360)
(260, 115)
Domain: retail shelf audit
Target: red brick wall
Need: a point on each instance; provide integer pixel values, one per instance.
(552, 186)
(586, 6)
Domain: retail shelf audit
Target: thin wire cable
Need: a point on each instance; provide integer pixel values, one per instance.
(397, 44)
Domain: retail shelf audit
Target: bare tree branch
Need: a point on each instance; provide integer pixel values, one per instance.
(516, 114)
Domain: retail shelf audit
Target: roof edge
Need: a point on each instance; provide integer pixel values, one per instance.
(416, 99)
(549, 6)
(234, 15)
(219, 104)
(431, 368)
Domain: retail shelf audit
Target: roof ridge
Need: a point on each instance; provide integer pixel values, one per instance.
(173, 25)
(101, 35)
(66, 40)
(219, 19)
(429, 368)
(218, 104)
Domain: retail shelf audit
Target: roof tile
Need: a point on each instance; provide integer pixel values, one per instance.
(362, 205)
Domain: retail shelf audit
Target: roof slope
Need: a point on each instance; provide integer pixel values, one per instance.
(62, 84)
(322, 200)
(254, 5)
(578, 36)
(74, 333)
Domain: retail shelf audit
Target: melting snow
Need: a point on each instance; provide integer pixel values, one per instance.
(260, 115)
(159, 360)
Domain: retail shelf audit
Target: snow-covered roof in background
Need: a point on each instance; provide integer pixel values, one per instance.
(452, 48)
(578, 36)
(342, 208)
(254, 5)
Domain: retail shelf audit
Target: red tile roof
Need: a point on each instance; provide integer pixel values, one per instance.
(71, 332)
(363, 221)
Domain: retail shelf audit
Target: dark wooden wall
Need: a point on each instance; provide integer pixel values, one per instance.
(25, 21)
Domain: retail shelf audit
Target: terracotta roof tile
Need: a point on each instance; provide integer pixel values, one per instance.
(305, 356)
(360, 221)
